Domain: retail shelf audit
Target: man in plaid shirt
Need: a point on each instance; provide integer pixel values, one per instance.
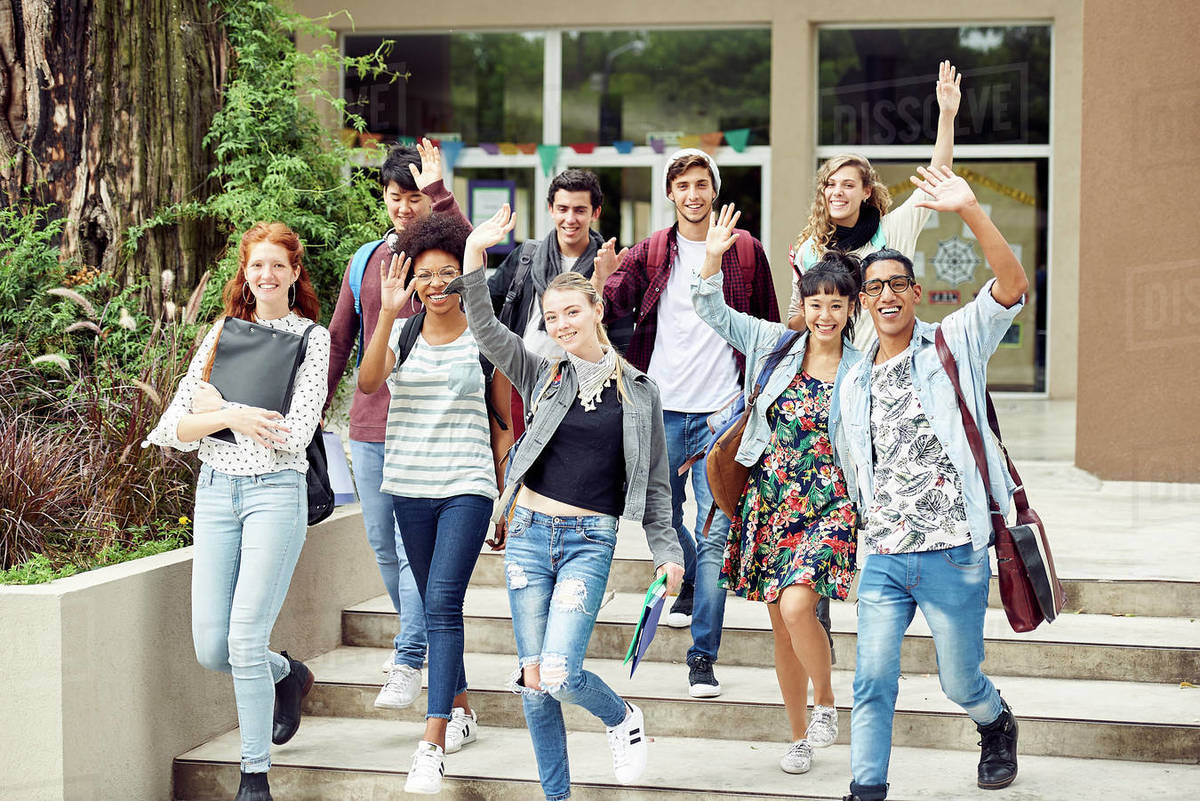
(696, 372)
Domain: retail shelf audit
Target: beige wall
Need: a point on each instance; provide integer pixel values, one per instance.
(1139, 297)
(793, 24)
(102, 687)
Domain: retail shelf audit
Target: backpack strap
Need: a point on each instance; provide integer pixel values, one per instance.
(517, 284)
(743, 248)
(358, 266)
(658, 248)
(408, 338)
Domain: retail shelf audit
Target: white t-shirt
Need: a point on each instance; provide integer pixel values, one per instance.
(694, 368)
(536, 339)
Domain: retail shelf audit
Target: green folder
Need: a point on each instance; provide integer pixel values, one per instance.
(647, 623)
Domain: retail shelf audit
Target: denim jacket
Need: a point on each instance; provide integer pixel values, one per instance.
(648, 492)
(973, 334)
(757, 338)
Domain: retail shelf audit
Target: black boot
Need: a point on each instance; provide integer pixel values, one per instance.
(998, 755)
(254, 787)
(289, 692)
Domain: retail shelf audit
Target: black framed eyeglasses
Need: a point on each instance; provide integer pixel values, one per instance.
(898, 283)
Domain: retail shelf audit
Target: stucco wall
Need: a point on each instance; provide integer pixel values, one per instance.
(102, 688)
(1139, 295)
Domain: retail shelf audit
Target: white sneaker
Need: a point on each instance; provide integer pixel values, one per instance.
(822, 727)
(402, 688)
(425, 773)
(627, 742)
(798, 758)
(387, 663)
(460, 730)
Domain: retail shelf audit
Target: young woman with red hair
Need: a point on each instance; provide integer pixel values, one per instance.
(252, 499)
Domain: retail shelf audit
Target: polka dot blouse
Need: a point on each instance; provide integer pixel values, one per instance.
(246, 457)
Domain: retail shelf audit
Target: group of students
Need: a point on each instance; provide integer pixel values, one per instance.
(504, 406)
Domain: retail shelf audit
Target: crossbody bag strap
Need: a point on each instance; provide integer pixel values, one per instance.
(974, 439)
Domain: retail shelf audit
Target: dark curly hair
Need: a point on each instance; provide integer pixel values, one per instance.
(446, 232)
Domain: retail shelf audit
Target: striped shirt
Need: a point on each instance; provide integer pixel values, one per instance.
(437, 443)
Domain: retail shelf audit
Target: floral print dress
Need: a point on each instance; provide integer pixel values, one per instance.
(795, 523)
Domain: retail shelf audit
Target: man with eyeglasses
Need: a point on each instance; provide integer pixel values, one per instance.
(925, 520)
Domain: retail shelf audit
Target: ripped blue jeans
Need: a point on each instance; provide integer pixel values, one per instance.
(556, 571)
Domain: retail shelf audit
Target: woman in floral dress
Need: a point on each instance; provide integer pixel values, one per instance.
(792, 540)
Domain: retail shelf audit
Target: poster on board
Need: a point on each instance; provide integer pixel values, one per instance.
(484, 198)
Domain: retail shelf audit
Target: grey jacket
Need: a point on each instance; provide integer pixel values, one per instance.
(648, 492)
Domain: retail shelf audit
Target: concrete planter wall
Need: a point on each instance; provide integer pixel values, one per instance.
(101, 685)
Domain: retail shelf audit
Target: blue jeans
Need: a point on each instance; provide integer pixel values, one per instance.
(384, 537)
(951, 588)
(556, 570)
(248, 534)
(703, 557)
(442, 537)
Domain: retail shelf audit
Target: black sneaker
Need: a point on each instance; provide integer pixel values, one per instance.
(680, 616)
(700, 676)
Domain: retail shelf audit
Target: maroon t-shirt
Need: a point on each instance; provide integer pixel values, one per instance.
(368, 413)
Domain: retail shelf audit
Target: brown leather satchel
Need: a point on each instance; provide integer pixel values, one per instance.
(1029, 586)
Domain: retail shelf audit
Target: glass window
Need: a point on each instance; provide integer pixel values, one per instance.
(877, 84)
(630, 85)
(521, 181)
(950, 266)
(479, 87)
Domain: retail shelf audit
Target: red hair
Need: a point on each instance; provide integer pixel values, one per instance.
(276, 233)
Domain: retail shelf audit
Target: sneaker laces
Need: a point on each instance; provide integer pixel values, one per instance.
(798, 748)
(618, 743)
(426, 760)
(401, 676)
(822, 716)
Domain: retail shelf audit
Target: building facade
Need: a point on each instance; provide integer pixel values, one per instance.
(772, 88)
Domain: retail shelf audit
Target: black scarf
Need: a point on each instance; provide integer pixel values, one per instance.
(547, 263)
(850, 238)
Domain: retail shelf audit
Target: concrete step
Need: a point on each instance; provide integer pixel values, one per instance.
(1077, 646)
(1059, 717)
(336, 759)
(1144, 598)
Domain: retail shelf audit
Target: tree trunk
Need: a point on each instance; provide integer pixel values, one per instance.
(103, 108)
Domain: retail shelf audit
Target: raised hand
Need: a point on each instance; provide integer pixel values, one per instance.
(720, 236)
(392, 278)
(431, 165)
(493, 230)
(949, 192)
(947, 89)
(608, 260)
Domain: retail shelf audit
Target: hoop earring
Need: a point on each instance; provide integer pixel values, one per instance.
(247, 296)
(412, 303)
(292, 295)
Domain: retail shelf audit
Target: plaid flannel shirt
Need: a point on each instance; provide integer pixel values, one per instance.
(636, 286)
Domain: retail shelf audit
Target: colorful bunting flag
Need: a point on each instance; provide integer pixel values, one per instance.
(657, 145)
(709, 142)
(451, 150)
(528, 148)
(691, 140)
(508, 148)
(491, 148)
(623, 146)
(408, 141)
(738, 138)
(583, 147)
(549, 157)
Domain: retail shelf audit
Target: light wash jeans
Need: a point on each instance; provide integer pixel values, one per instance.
(950, 587)
(703, 557)
(556, 570)
(383, 535)
(248, 534)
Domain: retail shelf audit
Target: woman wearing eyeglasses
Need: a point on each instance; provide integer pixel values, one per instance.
(437, 463)
(851, 210)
